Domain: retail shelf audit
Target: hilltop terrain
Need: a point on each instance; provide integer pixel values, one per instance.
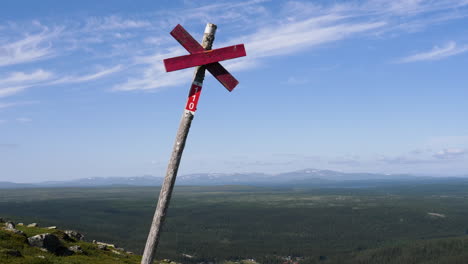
(32, 244)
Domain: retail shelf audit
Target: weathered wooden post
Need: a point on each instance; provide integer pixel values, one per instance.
(204, 58)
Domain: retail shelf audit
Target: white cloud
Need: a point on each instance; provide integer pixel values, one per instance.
(88, 77)
(114, 22)
(23, 120)
(28, 49)
(437, 53)
(8, 91)
(450, 153)
(424, 156)
(299, 26)
(13, 104)
(403, 160)
(296, 81)
(154, 75)
(21, 77)
(295, 27)
(441, 141)
(237, 13)
(289, 37)
(17, 82)
(295, 36)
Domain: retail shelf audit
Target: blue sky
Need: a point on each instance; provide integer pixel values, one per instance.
(375, 86)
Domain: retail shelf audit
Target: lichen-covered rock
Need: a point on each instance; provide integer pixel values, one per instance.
(49, 242)
(106, 244)
(102, 247)
(76, 249)
(10, 225)
(74, 235)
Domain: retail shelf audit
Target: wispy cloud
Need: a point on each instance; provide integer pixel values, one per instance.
(449, 153)
(425, 156)
(13, 104)
(268, 41)
(295, 36)
(413, 7)
(154, 75)
(292, 80)
(346, 160)
(21, 77)
(303, 26)
(19, 81)
(436, 53)
(404, 160)
(88, 77)
(295, 27)
(241, 14)
(114, 22)
(440, 141)
(8, 91)
(28, 49)
(23, 119)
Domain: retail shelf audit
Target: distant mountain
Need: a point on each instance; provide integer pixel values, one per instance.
(146, 180)
(306, 177)
(12, 185)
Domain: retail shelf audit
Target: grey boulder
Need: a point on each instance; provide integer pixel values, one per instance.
(10, 225)
(49, 242)
(73, 234)
(76, 249)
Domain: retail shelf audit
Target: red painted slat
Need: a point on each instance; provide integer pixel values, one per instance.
(186, 40)
(222, 75)
(216, 69)
(206, 57)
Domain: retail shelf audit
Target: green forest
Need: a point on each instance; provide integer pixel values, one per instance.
(391, 224)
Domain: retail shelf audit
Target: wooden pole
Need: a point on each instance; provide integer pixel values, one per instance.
(173, 167)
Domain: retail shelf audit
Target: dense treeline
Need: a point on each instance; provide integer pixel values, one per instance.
(234, 222)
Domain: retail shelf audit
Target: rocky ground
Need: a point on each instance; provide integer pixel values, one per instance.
(32, 244)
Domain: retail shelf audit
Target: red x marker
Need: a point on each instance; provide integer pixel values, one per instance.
(199, 56)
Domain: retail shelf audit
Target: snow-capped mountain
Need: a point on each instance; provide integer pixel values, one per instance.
(306, 177)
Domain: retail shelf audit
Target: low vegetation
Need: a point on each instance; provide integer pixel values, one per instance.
(15, 249)
(392, 224)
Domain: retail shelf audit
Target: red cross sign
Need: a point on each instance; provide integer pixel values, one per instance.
(199, 56)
